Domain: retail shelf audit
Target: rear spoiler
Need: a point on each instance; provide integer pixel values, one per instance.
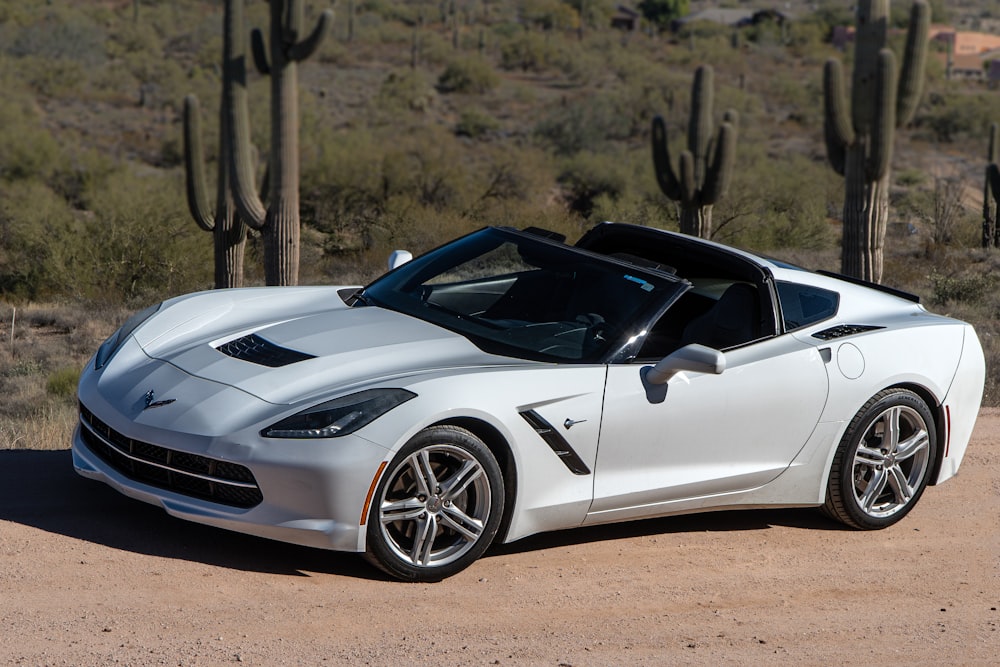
(864, 283)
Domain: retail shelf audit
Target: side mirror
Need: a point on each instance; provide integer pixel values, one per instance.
(694, 357)
(398, 258)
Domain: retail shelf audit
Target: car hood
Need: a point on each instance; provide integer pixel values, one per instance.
(338, 347)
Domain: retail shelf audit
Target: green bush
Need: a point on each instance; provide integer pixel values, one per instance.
(62, 383)
(468, 75)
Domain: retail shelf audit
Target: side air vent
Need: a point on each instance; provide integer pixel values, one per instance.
(257, 350)
(842, 330)
(556, 442)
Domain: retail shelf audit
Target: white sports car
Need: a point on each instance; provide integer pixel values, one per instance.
(507, 383)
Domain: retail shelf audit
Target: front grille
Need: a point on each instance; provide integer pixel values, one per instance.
(261, 351)
(188, 474)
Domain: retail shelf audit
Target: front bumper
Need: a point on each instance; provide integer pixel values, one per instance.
(304, 492)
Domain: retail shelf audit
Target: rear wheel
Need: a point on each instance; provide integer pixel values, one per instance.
(437, 508)
(883, 463)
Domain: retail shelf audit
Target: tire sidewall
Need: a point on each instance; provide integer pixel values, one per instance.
(380, 553)
(852, 439)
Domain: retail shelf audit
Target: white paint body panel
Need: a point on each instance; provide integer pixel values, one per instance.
(763, 433)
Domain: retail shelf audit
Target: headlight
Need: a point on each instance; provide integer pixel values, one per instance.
(340, 416)
(111, 345)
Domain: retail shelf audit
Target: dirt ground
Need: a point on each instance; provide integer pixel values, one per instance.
(89, 577)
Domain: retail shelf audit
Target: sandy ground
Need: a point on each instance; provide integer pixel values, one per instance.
(89, 577)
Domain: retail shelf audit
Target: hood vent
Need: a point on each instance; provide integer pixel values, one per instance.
(844, 330)
(257, 350)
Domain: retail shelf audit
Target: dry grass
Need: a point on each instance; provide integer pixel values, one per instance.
(39, 365)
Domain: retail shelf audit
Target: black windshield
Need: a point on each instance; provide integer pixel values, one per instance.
(521, 295)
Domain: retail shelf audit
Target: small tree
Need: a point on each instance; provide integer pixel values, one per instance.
(662, 13)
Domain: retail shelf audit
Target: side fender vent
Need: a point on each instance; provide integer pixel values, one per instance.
(556, 443)
(842, 330)
(257, 350)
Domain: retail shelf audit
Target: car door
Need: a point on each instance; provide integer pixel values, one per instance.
(702, 435)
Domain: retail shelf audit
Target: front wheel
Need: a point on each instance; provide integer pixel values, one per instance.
(884, 461)
(437, 508)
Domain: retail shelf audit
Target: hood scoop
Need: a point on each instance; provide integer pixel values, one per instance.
(257, 350)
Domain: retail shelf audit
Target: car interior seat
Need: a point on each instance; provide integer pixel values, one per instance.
(733, 320)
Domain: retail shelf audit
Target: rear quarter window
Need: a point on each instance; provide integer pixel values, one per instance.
(802, 305)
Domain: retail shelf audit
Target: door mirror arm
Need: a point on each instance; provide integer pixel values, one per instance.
(694, 358)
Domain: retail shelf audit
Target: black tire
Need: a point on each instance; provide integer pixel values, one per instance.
(876, 478)
(437, 507)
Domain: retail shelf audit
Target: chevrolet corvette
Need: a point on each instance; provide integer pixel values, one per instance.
(509, 383)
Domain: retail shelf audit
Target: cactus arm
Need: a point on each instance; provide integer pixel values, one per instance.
(700, 127)
(194, 170)
(911, 76)
(883, 127)
(661, 161)
(302, 50)
(241, 172)
(837, 129)
(688, 179)
(993, 148)
(720, 172)
(259, 50)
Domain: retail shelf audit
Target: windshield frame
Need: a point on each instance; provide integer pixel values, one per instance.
(397, 290)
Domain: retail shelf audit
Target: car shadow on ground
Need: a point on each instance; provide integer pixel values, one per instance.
(722, 521)
(41, 489)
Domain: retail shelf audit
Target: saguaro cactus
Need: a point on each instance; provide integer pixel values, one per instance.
(229, 233)
(991, 192)
(279, 221)
(706, 167)
(859, 146)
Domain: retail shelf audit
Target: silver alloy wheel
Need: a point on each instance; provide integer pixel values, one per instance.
(891, 461)
(435, 505)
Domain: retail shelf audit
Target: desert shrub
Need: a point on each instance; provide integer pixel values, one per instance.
(968, 288)
(468, 75)
(138, 243)
(405, 89)
(62, 383)
(588, 176)
(38, 253)
(526, 51)
(476, 124)
(584, 124)
(952, 114)
(27, 149)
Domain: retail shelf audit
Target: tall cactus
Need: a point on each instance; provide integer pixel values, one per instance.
(705, 168)
(229, 232)
(279, 221)
(859, 146)
(991, 192)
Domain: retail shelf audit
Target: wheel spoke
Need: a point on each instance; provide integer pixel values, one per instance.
(401, 510)
(890, 438)
(460, 522)
(916, 443)
(869, 457)
(900, 485)
(423, 540)
(423, 473)
(874, 489)
(453, 487)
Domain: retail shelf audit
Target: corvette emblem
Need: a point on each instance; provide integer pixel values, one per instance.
(150, 397)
